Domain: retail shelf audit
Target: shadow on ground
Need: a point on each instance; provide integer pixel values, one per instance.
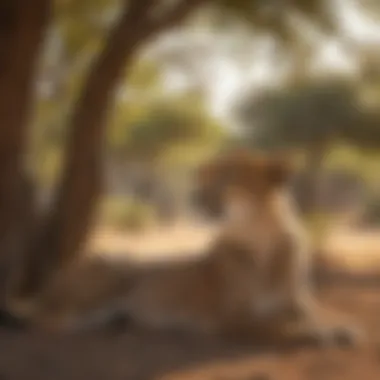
(143, 356)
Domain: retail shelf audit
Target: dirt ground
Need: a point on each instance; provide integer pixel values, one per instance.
(143, 356)
(133, 355)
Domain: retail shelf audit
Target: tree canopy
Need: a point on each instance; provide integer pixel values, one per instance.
(312, 113)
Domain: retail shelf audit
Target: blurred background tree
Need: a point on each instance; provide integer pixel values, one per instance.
(313, 117)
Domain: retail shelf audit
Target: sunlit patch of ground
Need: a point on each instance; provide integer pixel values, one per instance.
(353, 249)
(181, 238)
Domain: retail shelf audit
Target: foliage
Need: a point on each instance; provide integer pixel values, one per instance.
(80, 29)
(312, 117)
(275, 16)
(147, 123)
(309, 114)
(159, 128)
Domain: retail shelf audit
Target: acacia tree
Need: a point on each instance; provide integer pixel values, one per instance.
(57, 236)
(311, 116)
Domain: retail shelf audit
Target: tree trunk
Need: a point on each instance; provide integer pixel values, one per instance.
(22, 27)
(66, 228)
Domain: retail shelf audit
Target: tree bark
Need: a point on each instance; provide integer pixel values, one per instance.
(22, 27)
(66, 228)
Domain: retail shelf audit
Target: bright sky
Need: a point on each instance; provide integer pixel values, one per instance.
(224, 77)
